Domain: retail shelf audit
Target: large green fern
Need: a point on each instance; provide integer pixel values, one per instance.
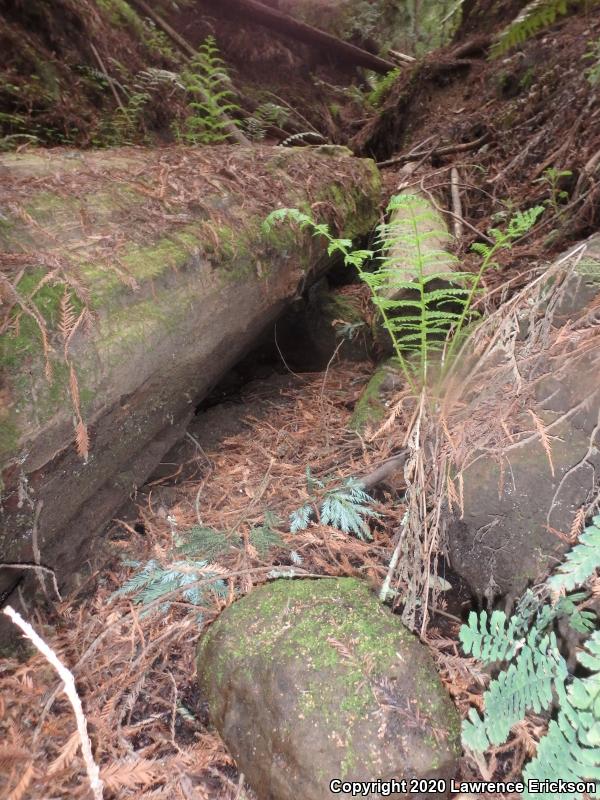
(209, 86)
(420, 299)
(534, 17)
(537, 675)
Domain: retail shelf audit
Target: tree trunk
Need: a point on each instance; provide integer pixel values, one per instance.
(286, 25)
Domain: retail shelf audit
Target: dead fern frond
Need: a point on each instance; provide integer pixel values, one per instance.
(66, 755)
(10, 754)
(578, 523)
(82, 440)
(545, 439)
(19, 791)
(129, 774)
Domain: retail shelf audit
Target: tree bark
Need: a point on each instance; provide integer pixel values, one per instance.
(288, 26)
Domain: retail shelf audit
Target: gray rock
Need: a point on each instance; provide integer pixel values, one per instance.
(507, 537)
(308, 681)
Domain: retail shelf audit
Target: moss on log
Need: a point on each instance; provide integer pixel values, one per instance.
(132, 280)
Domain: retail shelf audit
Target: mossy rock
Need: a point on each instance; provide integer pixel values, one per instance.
(371, 406)
(311, 680)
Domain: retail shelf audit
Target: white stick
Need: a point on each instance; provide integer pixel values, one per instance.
(71, 692)
(456, 204)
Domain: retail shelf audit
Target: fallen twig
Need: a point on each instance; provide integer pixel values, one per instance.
(456, 203)
(71, 692)
(439, 151)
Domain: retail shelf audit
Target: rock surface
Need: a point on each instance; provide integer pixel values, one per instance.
(308, 681)
(517, 514)
(164, 249)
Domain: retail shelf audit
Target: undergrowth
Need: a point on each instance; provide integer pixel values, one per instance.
(208, 84)
(421, 301)
(537, 676)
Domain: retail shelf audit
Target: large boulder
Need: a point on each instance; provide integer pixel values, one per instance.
(519, 508)
(312, 680)
(131, 281)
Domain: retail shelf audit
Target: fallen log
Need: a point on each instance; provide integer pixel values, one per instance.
(131, 281)
(293, 28)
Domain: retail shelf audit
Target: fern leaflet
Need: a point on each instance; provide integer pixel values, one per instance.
(580, 562)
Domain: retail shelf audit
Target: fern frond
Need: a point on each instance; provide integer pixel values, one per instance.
(348, 509)
(300, 138)
(209, 85)
(580, 562)
(489, 643)
(533, 18)
(526, 685)
(205, 543)
(571, 748)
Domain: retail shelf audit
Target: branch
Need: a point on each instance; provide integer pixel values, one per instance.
(439, 151)
(384, 471)
(71, 692)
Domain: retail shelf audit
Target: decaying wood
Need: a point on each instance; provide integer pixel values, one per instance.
(385, 470)
(186, 48)
(438, 151)
(288, 26)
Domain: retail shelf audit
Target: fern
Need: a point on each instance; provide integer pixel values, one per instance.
(265, 115)
(265, 537)
(489, 644)
(209, 85)
(571, 748)
(300, 138)
(537, 674)
(417, 314)
(383, 84)
(205, 543)
(580, 562)
(534, 17)
(526, 685)
(346, 508)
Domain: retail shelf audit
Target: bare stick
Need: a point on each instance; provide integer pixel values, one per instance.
(37, 568)
(110, 81)
(456, 204)
(71, 692)
(439, 151)
(384, 471)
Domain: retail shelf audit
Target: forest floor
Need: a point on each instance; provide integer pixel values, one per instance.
(536, 119)
(135, 669)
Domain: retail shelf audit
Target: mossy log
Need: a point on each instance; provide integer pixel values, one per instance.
(131, 280)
